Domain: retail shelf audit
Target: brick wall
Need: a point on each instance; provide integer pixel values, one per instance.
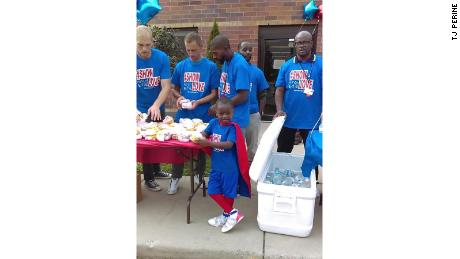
(237, 19)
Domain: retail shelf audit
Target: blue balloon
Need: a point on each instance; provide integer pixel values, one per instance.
(309, 10)
(147, 9)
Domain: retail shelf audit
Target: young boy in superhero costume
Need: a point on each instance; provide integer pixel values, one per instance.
(229, 174)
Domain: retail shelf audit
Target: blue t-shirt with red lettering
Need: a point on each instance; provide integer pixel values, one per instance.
(222, 160)
(149, 74)
(303, 96)
(235, 76)
(258, 83)
(196, 80)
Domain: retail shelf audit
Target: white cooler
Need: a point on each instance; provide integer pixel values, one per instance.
(281, 209)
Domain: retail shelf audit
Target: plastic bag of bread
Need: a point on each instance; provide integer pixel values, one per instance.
(187, 123)
(184, 136)
(168, 120)
(201, 127)
(196, 136)
(186, 104)
(150, 137)
(197, 121)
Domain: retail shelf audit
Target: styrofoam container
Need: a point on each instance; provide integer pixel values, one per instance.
(281, 209)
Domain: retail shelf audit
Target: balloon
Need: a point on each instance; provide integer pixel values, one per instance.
(319, 13)
(147, 10)
(309, 10)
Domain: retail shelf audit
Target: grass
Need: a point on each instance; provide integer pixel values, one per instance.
(168, 167)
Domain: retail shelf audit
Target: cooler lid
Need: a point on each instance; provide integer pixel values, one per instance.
(264, 150)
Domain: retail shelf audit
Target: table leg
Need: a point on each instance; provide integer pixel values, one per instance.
(204, 185)
(193, 190)
(317, 182)
(192, 176)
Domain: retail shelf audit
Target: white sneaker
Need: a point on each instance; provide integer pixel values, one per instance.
(173, 186)
(197, 181)
(218, 221)
(234, 218)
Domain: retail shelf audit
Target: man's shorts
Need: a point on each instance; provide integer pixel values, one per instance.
(223, 183)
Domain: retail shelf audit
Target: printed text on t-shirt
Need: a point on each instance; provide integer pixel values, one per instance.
(302, 77)
(194, 79)
(216, 138)
(146, 75)
(225, 87)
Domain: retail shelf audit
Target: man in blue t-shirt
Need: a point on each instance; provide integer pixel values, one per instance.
(152, 84)
(299, 92)
(257, 93)
(196, 79)
(234, 80)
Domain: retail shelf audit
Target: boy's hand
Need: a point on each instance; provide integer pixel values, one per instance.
(202, 142)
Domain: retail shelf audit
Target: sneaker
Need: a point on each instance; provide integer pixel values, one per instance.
(197, 181)
(163, 175)
(173, 186)
(153, 186)
(234, 218)
(218, 221)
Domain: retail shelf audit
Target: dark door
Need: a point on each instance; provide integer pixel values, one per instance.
(276, 45)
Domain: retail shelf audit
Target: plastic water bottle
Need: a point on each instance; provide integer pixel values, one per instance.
(299, 178)
(277, 177)
(288, 181)
(288, 173)
(269, 178)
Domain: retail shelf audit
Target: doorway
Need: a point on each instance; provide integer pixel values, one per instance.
(276, 45)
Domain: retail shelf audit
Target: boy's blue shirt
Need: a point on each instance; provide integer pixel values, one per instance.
(222, 160)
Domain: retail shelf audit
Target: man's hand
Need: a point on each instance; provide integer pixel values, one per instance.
(212, 110)
(179, 105)
(194, 105)
(279, 113)
(154, 113)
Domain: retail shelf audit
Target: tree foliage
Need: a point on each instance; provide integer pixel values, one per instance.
(212, 35)
(165, 40)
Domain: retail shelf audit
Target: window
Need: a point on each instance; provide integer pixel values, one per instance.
(180, 34)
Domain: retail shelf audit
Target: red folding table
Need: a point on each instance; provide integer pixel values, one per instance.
(172, 152)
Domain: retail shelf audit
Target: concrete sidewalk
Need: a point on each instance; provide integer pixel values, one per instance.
(162, 231)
